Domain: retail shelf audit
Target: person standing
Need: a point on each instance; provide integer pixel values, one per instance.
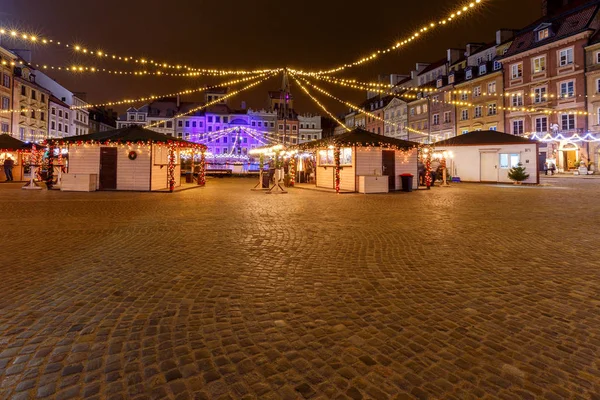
(8, 166)
(546, 167)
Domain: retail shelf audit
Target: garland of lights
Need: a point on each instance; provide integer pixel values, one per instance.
(27, 37)
(319, 103)
(202, 172)
(336, 157)
(415, 36)
(426, 152)
(50, 168)
(292, 169)
(171, 170)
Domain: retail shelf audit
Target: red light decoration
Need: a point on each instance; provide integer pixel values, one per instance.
(336, 157)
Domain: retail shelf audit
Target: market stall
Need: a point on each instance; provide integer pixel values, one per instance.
(17, 151)
(131, 158)
(361, 161)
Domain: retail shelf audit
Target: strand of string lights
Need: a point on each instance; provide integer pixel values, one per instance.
(104, 55)
(357, 108)
(461, 11)
(210, 103)
(317, 102)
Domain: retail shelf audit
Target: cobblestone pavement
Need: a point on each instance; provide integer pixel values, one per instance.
(220, 292)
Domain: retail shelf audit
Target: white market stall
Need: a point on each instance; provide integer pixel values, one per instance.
(131, 158)
(364, 162)
(487, 156)
(18, 152)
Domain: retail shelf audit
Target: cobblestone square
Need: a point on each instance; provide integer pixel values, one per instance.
(224, 293)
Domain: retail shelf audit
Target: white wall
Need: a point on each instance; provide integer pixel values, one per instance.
(85, 160)
(467, 160)
(325, 177)
(368, 161)
(160, 171)
(406, 163)
(133, 174)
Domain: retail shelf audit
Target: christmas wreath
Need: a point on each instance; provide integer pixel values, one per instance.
(132, 155)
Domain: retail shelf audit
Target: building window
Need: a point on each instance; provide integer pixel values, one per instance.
(60, 113)
(280, 127)
(180, 124)
(464, 96)
(23, 91)
(497, 65)
(66, 128)
(260, 124)
(447, 117)
(60, 127)
(464, 131)
(541, 124)
(53, 111)
(491, 87)
(492, 109)
(518, 127)
(52, 125)
(424, 108)
(436, 119)
(140, 117)
(509, 161)
(493, 128)
(478, 112)
(567, 89)
(539, 64)
(6, 80)
(517, 100)
(4, 127)
(193, 124)
(5, 103)
(451, 79)
(210, 119)
(477, 91)
(42, 116)
(187, 124)
(272, 124)
(516, 70)
(567, 122)
(66, 115)
(565, 57)
(226, 120)
(482, 69)
(169, 124)
(543, 34)
(412, 111)
(539, 94)
(253, 123)
(33, 114)
(464, 115)
(468, 74)
(218, 119)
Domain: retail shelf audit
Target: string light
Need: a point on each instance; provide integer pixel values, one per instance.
(402, 43)
(104, 55)
(92, 69)
(210, 103)
(155, 97)
(355, 107)
(319, 103)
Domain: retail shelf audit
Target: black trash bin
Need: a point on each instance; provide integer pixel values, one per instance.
(407, 182)
(189, 177)
(265, 180)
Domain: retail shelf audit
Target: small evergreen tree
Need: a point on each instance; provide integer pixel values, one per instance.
(518, 173)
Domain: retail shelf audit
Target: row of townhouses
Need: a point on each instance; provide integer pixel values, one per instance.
(35, 107)
(542, 81)
(230, 133)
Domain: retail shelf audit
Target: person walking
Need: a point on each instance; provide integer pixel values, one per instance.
(8, 166)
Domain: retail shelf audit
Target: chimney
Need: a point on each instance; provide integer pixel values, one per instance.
(454, 55)
(243, 105)
(178, 101)
(503, 35)
(472, 48)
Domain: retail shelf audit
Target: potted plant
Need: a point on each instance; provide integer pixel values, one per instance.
(517, 174)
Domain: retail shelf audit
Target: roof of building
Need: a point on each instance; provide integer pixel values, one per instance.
(571, 22)
(483, 138)
(130, 134)
(359, 137)
(9, 143)
(434, 65)
(59, 102)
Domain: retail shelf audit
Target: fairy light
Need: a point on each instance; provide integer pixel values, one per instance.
(357, 108)
(80, 49)
(161, 96)
(313, 98)
(402, 43)
(210, 103)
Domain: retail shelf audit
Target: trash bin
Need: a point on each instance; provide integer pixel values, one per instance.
(265, 180)
(407, 182)
(189, 177)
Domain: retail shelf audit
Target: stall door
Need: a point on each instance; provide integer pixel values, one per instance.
(108, 168)
(541, 160)
(489, 167)
(388, 160)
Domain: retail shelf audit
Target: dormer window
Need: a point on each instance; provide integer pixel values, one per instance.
(543, 34)
(451, 79)
(497, 65)
(469, 74)
(439, 83)
(482, 69)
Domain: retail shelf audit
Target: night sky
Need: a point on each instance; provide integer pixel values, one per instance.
(307, 34)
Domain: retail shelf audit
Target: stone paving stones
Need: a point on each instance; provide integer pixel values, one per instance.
(224, 293)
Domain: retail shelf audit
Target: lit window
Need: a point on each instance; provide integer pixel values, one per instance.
(516, 70)
(565, 57)
(543, 34)
(567, 89)
(539, 64)
(567, 122)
